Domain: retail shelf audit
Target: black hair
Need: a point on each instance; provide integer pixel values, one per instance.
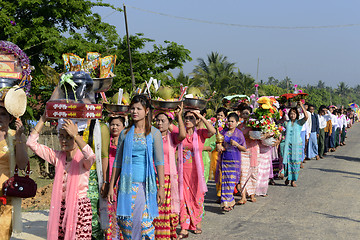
(296, 112)
(169, 119)
(222, 109)
(246, 107)
(145, 102)
(233, 115)
(202, 112)
(189, 111)
(121, 118)
(91, 132)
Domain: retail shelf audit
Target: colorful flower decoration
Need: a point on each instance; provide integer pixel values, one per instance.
(9, 47)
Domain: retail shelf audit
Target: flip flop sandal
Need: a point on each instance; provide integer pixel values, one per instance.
(182, 235)
(198, 231)
(240, 202)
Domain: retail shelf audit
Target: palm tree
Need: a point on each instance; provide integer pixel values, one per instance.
(342, 89)
(286, 83)
(215, 74)
(321, 84)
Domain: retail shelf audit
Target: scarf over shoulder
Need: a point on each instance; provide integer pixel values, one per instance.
(123, 160)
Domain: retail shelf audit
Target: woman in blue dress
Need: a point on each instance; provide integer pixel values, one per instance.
(293, 145)
(139, 149)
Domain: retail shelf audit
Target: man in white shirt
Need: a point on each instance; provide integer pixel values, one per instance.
(322, 125)
(343, 126)
(313, 151)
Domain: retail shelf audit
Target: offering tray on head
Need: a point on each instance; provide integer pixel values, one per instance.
(102, 84)
(194, 103)
(116, 109)
(165, 105)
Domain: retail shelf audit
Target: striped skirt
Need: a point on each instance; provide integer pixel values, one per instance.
(229, 178)
(166, 223)
(248, 177)
(139, 225)
(292, 163)
(113, 232)
(264, 171)
(276, 164)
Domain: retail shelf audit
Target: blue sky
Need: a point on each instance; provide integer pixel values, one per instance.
(305, 55)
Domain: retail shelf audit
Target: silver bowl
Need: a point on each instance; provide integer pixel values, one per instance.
(165, 105)
(195, 103)
(113, 108)
(102, 84)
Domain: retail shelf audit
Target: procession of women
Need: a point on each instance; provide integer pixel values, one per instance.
(139, 168)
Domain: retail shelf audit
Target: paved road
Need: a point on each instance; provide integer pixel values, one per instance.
(325, 205)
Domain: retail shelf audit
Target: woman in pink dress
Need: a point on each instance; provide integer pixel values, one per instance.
(166, 223)
(249, 160)
(116, 124)
(70, 211)
(191, 173)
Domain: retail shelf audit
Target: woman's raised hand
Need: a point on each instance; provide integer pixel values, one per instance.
(179, 109)
(70, 128)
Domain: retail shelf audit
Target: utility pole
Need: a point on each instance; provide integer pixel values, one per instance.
(129, 51)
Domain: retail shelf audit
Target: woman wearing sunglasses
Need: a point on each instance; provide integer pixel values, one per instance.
(191, 173)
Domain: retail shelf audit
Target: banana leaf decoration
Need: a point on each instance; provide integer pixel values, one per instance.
(67, 79)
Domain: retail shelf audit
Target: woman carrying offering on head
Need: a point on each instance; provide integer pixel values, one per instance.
(230, 160)
(293, 144)
(191, 173)
(70, 211)
(249, 160)
(166, 223)
(140, 147)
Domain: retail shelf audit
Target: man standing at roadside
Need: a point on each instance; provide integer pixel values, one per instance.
(315, 130)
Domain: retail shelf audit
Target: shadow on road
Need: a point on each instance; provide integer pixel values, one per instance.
(346, 158)
(337, 217)
(335, 171)
(352, 177)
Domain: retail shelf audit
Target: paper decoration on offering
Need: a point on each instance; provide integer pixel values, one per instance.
(102, 94)
(96, 66)
(14, 66)
(296, 91)
(156, 83)
(120, 96)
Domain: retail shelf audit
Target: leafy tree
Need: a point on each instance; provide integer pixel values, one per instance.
(45, 29)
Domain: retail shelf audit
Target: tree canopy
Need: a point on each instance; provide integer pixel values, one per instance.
(45, 29)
